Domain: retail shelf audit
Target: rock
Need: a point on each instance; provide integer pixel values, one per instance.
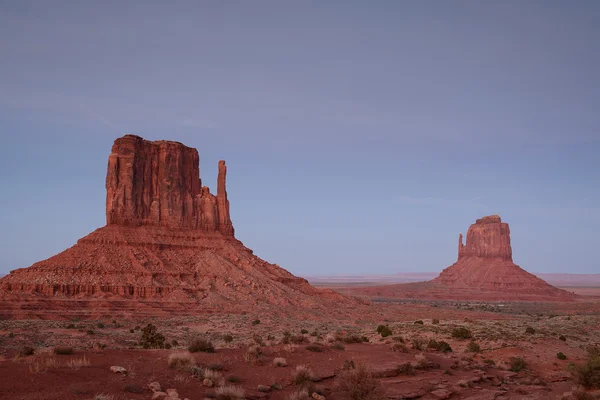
(441, 394)
(118, 370)
(172, 394)
(317, 396)
(485, 264)
(263, 388)
(154, 386)
(159, 396)
(158, 183)
(208, 383)
(162, 224)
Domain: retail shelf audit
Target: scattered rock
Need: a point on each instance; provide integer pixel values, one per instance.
(263, 388)
(154, 386)
(208, 383)
(118, 370)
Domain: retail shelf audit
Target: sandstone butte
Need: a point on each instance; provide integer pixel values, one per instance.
(168, 247)
(484, 271)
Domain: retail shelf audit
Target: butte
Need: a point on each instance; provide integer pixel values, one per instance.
(168, 248)
(484, 271)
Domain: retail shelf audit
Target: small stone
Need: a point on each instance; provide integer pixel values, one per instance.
(118, 370)
(173, 395)
(208, 383)
(159, 396)
(154, 386)
(317, 396)
(263, 388)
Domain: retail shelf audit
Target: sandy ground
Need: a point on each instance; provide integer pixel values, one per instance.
(501, 333)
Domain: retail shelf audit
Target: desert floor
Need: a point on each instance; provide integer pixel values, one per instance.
(406, 362)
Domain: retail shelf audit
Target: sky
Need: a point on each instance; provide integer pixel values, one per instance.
(360, 137)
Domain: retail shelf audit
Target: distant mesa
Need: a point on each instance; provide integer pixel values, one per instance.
(484, 271)
(485, 263)
(168, 244)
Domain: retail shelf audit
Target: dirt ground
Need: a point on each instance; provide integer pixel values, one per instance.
(402, 362)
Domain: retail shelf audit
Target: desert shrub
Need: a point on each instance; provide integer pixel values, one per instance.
(517, 364)
(315, 348)
(229, 392)
(442, 346)
(561, 356)
(530, 330)
(418, 343)
(254, 355)
(297, 339)
(199, 344)
(90, 332)
(473, 347)
(588, 374)
(384, 330)
(215, 367)
(302, 375)
(214, 376)
(563, 338)
(399, 347)
(364, 339)
(151, 339)
(405, 369)
(228, 338)
(398, 339)
(359, 383)
(256, 322)
(461, 333)
(181, 360)
(314, 333)
(70, 326)
(301, 394)
(131, 331)
(26, 351)
(352, 339)
(233, 379)
(489, 362)
(304, 331)
(63, 350)
(338, 346)
(419, 322)
(279, 362)
(422, 362)
(435, 321)
(168, 346)
(100, 325)
(133, 388)
(174, 342)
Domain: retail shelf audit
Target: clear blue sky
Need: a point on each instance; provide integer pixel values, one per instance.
(361, 137)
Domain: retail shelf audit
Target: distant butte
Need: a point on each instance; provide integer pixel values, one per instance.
(168, 247)
(484, 271)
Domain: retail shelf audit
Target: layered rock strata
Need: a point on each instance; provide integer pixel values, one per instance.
(167, 239)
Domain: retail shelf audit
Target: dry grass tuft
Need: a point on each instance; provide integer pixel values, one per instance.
(301, 394)
(77, 363)
(302, 375)
(183, 360)
(359, 383)
(229, 392)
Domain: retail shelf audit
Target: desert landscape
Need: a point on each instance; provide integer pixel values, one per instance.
(299, 200)
(165, 303)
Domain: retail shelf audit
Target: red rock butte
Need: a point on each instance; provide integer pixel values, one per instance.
(168, 247)
(484, 271)
(485, 263)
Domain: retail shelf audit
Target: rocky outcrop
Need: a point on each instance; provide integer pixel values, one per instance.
(168, 241)
(158, 183)
(487, 238)
(485, 264)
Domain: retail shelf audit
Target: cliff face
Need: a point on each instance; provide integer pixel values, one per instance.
(158, 184)
(167, 239)
(487, 238)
